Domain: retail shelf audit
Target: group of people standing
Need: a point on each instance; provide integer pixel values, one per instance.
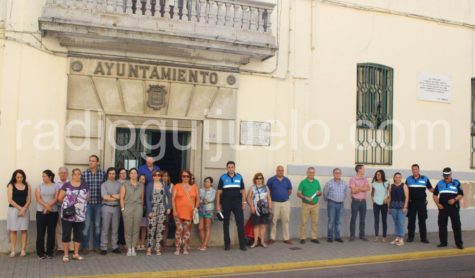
(399, 199)
(134, 208)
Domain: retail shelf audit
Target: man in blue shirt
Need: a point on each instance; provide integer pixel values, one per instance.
(447, 195)
(148, 168)
(231, 197)
(280, 190)
(417, 184)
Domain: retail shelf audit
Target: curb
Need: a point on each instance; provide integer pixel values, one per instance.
(233, 270)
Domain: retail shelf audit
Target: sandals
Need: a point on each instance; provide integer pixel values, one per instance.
(22, 253)
(176, 253)
(254, 245)
(185, 252)
(159, 253)
(12, 254)
(77, 257)
(149, 252)
(65, 259)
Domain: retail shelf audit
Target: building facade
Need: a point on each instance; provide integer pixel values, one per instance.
(196, 83)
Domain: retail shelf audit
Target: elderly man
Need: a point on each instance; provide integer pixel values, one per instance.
(309, 190)
(148, 168)
(280, 191)
(334, 194)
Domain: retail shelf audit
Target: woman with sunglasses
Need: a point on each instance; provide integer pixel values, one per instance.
(185, 199)
(259, 200)
(157, 208)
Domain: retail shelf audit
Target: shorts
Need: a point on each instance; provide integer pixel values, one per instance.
(75, 227)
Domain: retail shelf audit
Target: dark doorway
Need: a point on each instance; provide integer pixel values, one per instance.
(169, 146)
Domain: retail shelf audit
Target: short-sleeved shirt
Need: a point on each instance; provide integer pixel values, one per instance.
(231, 187)
(359, 182)
(417, 187)
(94, 181)
(110, 188)
(77, 197)
(279, 189)
(380, 192)
(447, 191)
(48, 194)
(335, 191)
(308, 189)
(184, 205)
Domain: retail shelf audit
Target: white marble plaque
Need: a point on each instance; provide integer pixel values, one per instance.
(434, 87)
(255, 133)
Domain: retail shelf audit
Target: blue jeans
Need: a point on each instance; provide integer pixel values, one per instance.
(93, 215)
(399, 221)
(335, 214)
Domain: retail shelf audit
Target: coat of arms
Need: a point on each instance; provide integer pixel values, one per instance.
(156, 97)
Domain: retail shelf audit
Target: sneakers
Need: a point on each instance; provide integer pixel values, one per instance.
(129, 252)
(133, 254)
(315, 241)
(116, 251)
(394, 242)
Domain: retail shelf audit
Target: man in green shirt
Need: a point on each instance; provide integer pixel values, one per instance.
(309, 190)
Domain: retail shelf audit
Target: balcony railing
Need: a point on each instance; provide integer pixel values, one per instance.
(241, 27)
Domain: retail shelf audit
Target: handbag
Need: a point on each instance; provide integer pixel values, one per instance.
(196, 216)
(261, 205)
(71, 210)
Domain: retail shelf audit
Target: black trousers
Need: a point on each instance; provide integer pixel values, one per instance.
(454, 214)
(45, 224)
(417, 208)
(236, 208)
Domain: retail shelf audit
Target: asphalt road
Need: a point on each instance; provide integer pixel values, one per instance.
(459, 266)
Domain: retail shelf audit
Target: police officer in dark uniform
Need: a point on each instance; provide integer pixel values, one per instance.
(417, 185)
(231, 197)
(447, 194)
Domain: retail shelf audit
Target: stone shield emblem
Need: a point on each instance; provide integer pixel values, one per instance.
(156, 97)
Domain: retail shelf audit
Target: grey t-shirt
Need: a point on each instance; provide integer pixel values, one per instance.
(110, 188)
(48, 194)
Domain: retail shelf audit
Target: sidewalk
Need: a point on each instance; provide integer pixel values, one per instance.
(295, 256)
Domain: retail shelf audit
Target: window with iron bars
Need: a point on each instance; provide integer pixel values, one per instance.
(374, 114)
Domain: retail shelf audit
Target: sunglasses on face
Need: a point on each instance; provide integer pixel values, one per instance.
(259, 178)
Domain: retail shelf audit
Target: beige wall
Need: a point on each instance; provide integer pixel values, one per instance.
(312, 77)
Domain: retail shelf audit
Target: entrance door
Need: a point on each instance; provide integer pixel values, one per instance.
(168, 147)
